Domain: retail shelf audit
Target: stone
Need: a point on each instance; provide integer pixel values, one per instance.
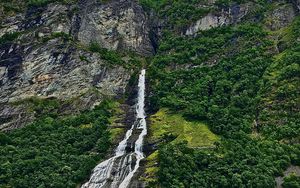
(281, 17)
(55, 68)
(232, 15)
(116, 25)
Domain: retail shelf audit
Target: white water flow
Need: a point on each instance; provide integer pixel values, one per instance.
(118, 171)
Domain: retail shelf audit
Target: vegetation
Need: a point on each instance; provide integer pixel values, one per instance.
(127, 59)
(151, 170)
(54, 35)
(54, 151)
(238, 162)
(227, 103)
(165, 124)
(233, 79)
(227, 99)
(38, 3)
(177, 14)
(8, 8)
(9, 37)
(110, 56)
(291, 181)
(225, 3)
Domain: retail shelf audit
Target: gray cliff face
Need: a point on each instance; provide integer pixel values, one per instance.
(297, 4)
(117, 25)
(230, 15)
(281, 17)
(49, 59)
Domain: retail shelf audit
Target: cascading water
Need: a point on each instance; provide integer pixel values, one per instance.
(119, 170)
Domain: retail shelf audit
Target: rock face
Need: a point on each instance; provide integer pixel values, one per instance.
(297, 4)
(51, 58)
(281, 17)
(57, 71)
(120, 24)
(227, 16)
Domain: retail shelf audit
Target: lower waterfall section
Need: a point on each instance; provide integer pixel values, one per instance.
(117, 171)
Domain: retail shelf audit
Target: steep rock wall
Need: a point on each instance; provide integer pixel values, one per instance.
(230, 15)
(50, 57)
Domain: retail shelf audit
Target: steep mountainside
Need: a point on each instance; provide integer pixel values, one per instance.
(234, 66)
(66, 69)
(223, 90)
(64, 50)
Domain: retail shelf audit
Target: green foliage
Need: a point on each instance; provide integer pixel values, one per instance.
(229, 78)
(164, 123)
(223, 95)
(41, 107)
(9, 37)
(291, 181)
(279, 92)
(39, 3)
(84, 58)
(57, 152)
(239, 162)
(54, 35)
(177, 14)
(11, 7)
(110, 56)
(226, 3)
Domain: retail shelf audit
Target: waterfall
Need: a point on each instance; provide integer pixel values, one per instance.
(118, 170)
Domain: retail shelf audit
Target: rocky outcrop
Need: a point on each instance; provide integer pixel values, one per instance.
(12, 117)
(50, 57)
(116, 25)
(231, 15)
(281, 17)
(297, 4)
(53, 70)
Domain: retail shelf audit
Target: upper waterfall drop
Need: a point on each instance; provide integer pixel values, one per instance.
(117, 171)
(140, 111)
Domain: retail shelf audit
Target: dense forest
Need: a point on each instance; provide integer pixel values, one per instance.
(234, 79)
(54, 151)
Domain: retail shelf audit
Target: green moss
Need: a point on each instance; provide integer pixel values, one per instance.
(115, 133)
(196, 134)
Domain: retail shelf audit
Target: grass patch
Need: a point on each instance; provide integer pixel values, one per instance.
(165, 123)
(115, 133)
(196, 134)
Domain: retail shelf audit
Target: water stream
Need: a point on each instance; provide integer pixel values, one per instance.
(117, 171)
